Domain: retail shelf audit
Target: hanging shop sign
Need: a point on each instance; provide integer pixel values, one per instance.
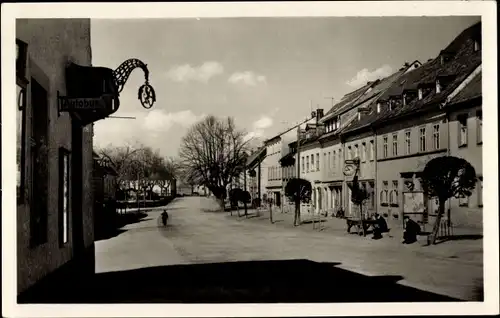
(68, 104)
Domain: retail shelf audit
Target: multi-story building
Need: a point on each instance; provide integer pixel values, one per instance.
(277, 147)
(410, 127)
(60, 96)
(394, 126)
(54, 197)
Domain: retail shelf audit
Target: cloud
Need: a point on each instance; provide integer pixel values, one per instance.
(158, 120)
(248, 78)
(202, 73)
(156, 128)
(259, 127)
(365, 76)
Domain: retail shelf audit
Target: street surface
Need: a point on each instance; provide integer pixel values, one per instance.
(197, 234)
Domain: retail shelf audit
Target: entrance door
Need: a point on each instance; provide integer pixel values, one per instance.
(76, 183)
(278, 198)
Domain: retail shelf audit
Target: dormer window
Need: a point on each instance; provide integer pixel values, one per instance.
(438, 87)
(477, 46)
(420, 93)
(445, 57)
(378, 107)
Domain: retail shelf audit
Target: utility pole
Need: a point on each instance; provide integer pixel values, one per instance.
(245, 189)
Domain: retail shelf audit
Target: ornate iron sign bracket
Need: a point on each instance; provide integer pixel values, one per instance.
(146, 94)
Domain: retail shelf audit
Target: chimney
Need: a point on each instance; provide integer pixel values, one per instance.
(319, 114)
(406, 64)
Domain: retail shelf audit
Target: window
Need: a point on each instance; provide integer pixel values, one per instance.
(394, 196)
(317, 162)
(420, 94)
(363, 152)
(422, 139)
(407, 142)
(63, 196)
(378, 107)
(383, 193)
(394, 145)
(349, 152)
(307, 163)
(385, 147)
(329, 162)
(356, 151)
(39, 168)
(312, 162)
(480, 191)
(372, 150)
(303, 165)
(334, 159)
(435, 137)
(325, 162)
(438, 87)
(479, 127)
(462, 124)
(372, 197)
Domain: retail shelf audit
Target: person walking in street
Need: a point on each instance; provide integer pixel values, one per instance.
(164, 217)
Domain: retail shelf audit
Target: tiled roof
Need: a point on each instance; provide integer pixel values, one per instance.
(470, 91)
(346, 100)
(463, 62)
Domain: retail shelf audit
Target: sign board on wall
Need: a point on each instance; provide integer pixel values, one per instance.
(74, 104)
(413, 202)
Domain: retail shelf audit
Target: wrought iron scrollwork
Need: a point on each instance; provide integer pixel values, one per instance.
(146, 93)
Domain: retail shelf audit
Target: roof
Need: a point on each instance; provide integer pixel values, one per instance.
(470, 91)
(253, 157)
(463, 63)
(284, 132)
(347, 99)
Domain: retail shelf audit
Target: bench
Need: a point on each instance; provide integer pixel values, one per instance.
(360, 225)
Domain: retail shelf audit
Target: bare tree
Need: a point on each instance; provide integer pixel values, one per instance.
(212, 153)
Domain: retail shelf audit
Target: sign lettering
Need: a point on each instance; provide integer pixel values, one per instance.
(75, 104)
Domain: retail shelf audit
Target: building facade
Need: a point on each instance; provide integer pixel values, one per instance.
(394, 126)
(54, 201)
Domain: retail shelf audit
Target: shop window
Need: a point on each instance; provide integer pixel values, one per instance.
(384, 194)
(394, 194)
(64, 177)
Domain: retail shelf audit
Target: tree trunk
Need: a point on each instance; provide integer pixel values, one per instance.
(271, 212)
(361, 218)
(296, 219)
(435, 230)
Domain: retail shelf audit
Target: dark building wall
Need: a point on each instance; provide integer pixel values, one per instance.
(52, 43)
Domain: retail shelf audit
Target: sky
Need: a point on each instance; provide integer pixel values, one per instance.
(266, 73)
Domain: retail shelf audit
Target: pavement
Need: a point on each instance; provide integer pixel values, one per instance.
(199, 234)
